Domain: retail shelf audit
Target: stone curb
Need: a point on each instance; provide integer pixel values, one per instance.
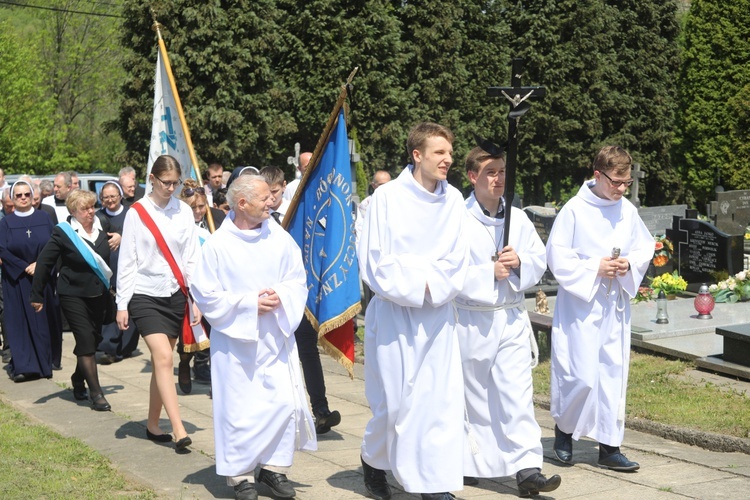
(710, 441)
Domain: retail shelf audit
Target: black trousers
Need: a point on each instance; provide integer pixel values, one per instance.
(307, 345)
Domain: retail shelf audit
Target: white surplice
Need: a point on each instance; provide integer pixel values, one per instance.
(494, 335)
(591, 324)
(259, 405)
(412, 238)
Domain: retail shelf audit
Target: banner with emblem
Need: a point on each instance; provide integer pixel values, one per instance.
(167, 136)
(322, 224)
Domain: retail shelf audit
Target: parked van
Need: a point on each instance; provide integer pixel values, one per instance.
(89, 182)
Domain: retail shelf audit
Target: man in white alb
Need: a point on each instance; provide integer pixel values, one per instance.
(412, 254)
(494, 334)
(591, 323)
(259, 406)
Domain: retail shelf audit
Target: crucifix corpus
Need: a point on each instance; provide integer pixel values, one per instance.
(519, 98)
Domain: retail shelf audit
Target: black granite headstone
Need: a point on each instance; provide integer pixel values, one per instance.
(542, 218)
(733, 211)
(659, 219)
(702, 250)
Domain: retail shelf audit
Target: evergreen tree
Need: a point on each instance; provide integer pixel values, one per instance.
(224, 55)
(568, 48)
(640, 113)
(608, 67)
(330, 38)
(456, 49)
(712, 103)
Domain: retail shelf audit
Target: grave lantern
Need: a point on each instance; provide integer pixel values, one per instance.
(704, 303)
(662, 317)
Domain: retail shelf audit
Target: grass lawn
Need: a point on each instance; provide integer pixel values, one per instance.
(36, 462)
(658, 392)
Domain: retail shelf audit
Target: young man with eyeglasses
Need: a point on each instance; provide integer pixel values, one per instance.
(598, 250)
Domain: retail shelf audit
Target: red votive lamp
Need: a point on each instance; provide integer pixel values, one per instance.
(704, 303)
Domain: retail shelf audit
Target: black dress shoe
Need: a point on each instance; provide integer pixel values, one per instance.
(375, 482)
(25, 377)
(326, 419)
(183, 443)
(563, 447)
(245, 491)
(438, 496)
(470, 481)
(106, 359)
(79, 388)
(535, 483)
(618, 462)
(159, 438)
(277, 482)
(99, 403)
(183, 377)
(57, 367)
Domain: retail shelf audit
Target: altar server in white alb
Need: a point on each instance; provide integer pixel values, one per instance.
(599, 250)
(495, 336)
(412, 254)
(251, 286)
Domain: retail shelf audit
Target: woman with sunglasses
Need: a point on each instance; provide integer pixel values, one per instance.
(151, 293)
(23, 234)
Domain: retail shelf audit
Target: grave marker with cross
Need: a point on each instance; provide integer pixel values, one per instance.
(518, 97)
(638, 174)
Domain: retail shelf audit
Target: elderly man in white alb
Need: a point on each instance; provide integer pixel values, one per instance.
(260, 411)
(494, 333)
(412, 254)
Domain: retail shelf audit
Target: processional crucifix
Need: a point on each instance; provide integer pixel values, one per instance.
(518, 98)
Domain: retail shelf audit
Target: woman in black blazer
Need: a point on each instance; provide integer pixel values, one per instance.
(84, 292)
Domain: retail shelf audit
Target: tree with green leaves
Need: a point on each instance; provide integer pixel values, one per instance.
(331, 38)
(608, 68)
(26, 111)
(456, 49)
(224, 56)
(82, 65)
(713, 98)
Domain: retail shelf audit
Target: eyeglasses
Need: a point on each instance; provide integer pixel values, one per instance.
(168, 184)
(617, 184)
(192, 191)
(110, 198)
(22, 195)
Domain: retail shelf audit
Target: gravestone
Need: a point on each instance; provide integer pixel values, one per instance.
(702, 250)
(637, 175)
(542, 218)
(732, 211)
(659, 219)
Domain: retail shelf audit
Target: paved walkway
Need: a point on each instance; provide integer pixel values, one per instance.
(669, 469)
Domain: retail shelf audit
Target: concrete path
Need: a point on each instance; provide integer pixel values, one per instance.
(668, 469)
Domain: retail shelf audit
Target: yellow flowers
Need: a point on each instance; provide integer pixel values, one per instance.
(669, 283)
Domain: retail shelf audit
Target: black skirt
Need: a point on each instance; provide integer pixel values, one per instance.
(158, 314)
(85, 317)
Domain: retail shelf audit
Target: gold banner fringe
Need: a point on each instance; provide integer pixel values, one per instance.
(198, 347)
(332, 324)
(332, 351)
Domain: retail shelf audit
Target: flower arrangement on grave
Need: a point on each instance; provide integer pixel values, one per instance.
(733, 289)
(663, 250)
(644, 294)
(670, 283)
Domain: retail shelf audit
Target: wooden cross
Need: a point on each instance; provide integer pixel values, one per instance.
(638, 174)
(518, 97)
